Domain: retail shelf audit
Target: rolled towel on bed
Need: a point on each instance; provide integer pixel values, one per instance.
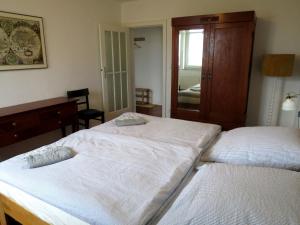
(129, 119)
(48, 156)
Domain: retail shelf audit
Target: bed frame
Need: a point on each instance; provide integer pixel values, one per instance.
(10, 208)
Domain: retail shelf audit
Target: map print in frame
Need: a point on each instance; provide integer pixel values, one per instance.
(22, 44)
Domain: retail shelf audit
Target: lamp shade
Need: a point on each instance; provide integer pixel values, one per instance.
(288, 105)
(278, 65)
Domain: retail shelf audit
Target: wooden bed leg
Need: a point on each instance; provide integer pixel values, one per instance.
(2, 215)
(17, 212)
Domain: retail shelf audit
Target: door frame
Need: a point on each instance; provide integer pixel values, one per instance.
(101, 28)
(147, 24)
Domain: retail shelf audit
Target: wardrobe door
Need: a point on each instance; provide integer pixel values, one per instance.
(190, 63)
(229, 71)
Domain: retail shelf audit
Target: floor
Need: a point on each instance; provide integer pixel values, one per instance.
(156, 110)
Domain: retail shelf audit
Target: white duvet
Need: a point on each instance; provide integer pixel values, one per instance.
(114, 179)
(167, 130)
(221, 194)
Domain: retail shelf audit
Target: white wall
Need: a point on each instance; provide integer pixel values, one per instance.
(71, 33)
(148, 61)
(277, 31)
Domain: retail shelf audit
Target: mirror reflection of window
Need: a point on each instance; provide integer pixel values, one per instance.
(190, 56)
(190, 48)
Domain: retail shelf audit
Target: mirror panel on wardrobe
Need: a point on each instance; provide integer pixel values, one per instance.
(190, 55)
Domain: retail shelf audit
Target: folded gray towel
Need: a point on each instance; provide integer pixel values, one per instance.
(129, 119)
(130, 122)
(48, 155)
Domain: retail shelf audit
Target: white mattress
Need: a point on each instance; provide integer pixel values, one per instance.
(238, 195)
(174, 131)
(114, 179)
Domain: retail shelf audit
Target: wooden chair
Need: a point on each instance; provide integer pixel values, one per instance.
(86, 114)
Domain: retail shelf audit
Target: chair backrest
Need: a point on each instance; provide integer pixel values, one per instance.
(80, 93)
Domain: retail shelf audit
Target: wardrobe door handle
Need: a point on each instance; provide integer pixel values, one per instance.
(207, 76)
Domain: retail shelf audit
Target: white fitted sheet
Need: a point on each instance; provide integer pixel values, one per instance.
(114, 179)
(237, 195)
(166, 130)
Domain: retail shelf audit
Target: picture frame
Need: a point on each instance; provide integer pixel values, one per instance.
(22, 42)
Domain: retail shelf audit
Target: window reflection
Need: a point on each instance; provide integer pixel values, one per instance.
(190, 66)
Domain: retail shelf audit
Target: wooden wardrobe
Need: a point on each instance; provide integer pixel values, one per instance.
(210, 77)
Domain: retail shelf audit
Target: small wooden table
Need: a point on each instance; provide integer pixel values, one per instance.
(24, 121)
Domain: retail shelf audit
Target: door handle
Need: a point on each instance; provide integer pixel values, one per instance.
(209, 77)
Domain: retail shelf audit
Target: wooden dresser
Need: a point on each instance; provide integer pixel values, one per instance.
(28, 120)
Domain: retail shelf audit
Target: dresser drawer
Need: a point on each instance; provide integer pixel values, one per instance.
(51, 118)
(27, 120)
(52, 113)
(15, 136)
(17, 123)
(69, 110)
(58, 112)
(58, 116)
(6, 139)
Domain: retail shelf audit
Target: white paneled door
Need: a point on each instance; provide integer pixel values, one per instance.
(117, 94)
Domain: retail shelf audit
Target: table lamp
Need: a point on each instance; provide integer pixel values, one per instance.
(278, 66)
(289, 104)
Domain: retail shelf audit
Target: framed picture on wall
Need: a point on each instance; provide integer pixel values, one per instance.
(22, 42)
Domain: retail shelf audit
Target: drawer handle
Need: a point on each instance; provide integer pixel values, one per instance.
(14, 124)
(16, 135)
(58, 112)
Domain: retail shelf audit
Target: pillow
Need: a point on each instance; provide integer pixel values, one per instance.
(276, 147)
(48, 155)
(129, 119)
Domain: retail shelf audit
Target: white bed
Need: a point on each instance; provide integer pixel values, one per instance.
(238, 195)
(174, 131)
(115, 178)
(261, 189)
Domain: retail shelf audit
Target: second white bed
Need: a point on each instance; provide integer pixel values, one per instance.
(237, 195)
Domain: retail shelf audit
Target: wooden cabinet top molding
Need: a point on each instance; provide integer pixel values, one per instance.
(215, 18)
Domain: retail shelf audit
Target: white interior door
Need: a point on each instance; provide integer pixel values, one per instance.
(116, 78)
